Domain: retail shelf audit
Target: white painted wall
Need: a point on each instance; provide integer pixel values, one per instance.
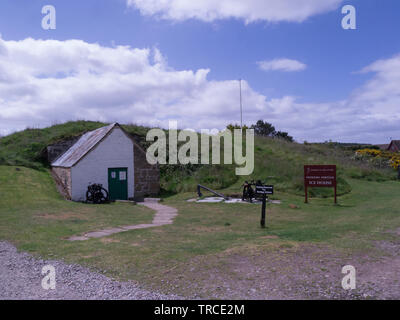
(115, 151)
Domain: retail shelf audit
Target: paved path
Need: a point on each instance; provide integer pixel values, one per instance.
(164, 215)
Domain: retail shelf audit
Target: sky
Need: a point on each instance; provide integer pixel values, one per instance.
(151, 61)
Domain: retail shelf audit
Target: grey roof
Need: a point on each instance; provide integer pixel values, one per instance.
(86, 143)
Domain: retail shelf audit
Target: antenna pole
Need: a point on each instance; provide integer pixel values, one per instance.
(241, 109)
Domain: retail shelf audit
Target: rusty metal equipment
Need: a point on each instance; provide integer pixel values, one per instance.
(97, 194)
(250, 193)
(199, 187)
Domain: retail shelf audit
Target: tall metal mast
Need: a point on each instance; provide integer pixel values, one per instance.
(241, 109)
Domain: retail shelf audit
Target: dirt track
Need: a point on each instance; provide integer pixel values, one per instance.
(307, 272)
(304, 271)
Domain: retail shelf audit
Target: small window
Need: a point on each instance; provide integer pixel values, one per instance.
(122, 175)
(113, 174)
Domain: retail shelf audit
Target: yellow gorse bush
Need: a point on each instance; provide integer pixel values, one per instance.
(371, 152)
(395, 163)
(393, 158)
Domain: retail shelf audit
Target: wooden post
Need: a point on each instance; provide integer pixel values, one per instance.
(335, 194)
(306, 193)
(305, 187)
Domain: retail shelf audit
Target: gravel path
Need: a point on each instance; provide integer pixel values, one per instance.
(164, 215)
(21, 277)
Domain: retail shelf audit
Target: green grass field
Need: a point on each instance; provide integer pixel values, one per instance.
(36, 219)
(204, 237)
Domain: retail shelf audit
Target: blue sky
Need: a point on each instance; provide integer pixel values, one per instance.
(329, 99)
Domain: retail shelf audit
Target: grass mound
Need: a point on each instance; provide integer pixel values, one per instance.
(28, 147)
(276, 161)
(30, 203)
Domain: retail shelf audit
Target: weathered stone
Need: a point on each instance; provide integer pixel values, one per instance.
(62, 177)
(147, 177)
(54, 151)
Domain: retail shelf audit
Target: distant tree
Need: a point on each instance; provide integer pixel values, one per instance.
(262, 128)
(231, 127)
(265, 129)
(284, 135)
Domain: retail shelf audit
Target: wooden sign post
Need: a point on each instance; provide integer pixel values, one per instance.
(319, 176)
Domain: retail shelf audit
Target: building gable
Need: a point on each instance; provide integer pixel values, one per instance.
(394, 146)
(114, 151)
(85, 144)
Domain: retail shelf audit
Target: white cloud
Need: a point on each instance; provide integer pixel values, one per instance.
(247, 10)
(45, 82)
(287, 65)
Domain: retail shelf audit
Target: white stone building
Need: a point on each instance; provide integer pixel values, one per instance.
(108, 156)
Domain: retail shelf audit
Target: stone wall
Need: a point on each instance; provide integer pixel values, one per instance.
(147, 176)
(56, 150)
(62, 177)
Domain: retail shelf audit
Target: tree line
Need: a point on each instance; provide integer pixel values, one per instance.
(265, 129)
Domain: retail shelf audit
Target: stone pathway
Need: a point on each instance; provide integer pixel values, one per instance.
(164, 215)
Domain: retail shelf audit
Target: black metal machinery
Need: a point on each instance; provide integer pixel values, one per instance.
(97, 194)
(199, 187)
(259, 192)
(250, 193)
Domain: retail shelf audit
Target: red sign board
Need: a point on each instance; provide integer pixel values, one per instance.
(319, 176)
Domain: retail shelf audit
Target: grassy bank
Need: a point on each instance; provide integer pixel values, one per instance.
(35, 218)
(276, 161)
(33, 214)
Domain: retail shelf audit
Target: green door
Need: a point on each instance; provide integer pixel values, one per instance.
(118, 183)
